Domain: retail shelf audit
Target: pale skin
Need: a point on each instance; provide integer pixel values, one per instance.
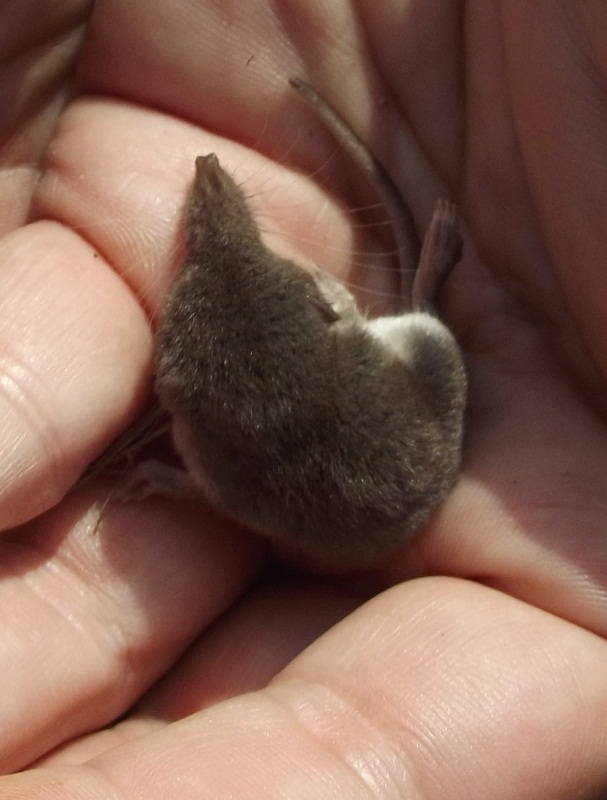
(436, 687)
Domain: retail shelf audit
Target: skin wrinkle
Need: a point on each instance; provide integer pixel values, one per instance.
(21, 389)
(320, 721)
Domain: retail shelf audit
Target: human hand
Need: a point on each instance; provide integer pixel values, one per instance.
(487, 683)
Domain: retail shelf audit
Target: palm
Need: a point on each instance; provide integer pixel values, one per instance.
(528, 516)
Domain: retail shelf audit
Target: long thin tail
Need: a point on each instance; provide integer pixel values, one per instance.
(407, 242)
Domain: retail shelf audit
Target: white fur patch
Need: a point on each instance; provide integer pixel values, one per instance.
(399, 332)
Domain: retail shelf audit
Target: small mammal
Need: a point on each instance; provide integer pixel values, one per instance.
(293, 413)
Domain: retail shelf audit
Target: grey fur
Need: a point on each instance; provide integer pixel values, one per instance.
(292, 412)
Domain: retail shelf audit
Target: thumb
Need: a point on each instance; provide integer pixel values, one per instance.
(437, 688)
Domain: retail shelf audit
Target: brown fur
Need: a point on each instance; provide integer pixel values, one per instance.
(290, 415)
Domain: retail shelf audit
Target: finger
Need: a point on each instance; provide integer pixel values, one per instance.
(172, 70)
(75, 353)
(39, 44)
(122, 187)
(94, 611)
(248, 98)
(435, 689)
(241, 652)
